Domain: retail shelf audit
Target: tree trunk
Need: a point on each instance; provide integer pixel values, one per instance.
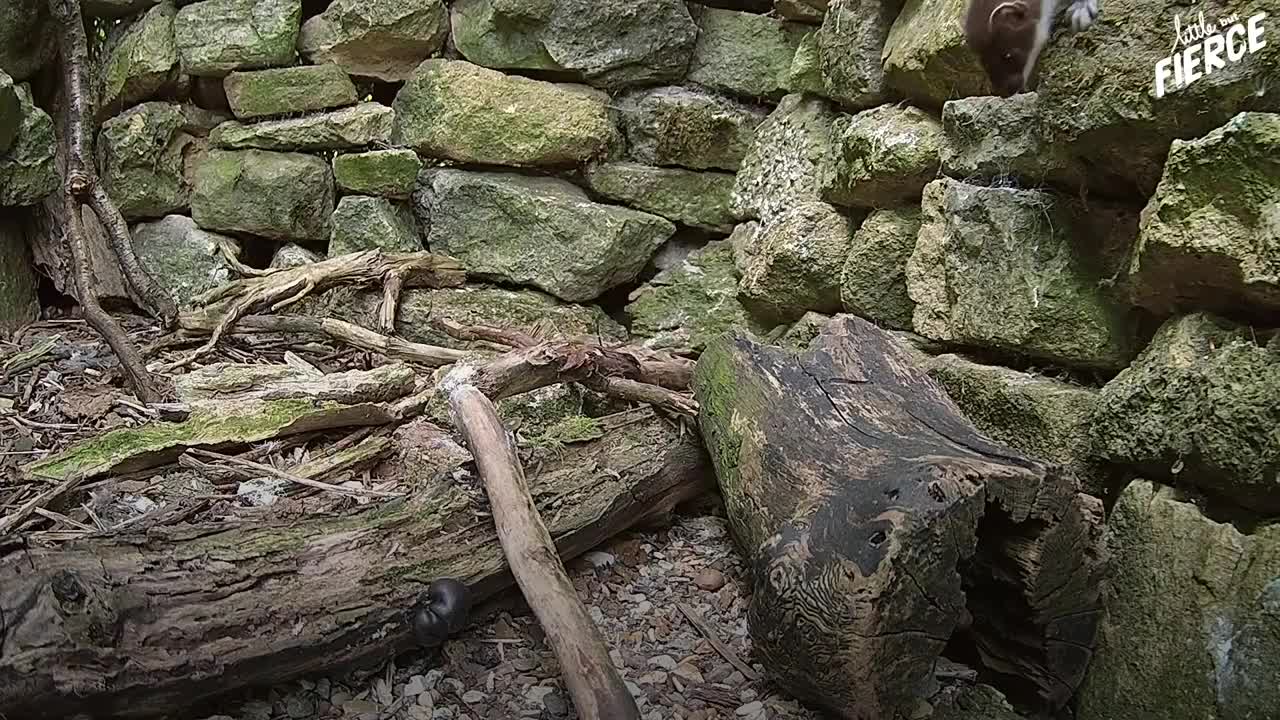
(139, 625)
(885, 532)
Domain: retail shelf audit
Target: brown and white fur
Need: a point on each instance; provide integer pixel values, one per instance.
(1008, 36)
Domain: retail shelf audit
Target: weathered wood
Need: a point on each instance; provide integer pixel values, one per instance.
(885, 532)
(138, 625)
(593, 682)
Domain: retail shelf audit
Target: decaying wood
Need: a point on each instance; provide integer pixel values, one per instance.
(885, 532)
(239, 404)
(617, 372)
(593, 682)
(140, 624)
(224, 306)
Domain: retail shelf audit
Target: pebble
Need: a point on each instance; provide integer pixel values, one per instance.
(709, 579)
(471, 697)
(751, 709)
(666, 662)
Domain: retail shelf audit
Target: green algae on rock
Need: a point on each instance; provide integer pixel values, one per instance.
(850, 43)
(873, 283)
(364, 223)
(1199, 406)
(278, 91)
(686, 305)
(534, 313)
(998, 268)
(795, 263)
(142, 156)
(27, 171)
(182, 258)
(382, 39)
(687, 127)
(282, 196)
(454, 110)
(1208, 237)
(1190, 628)
(696, 199)
(744, 54)
(385, 173)
(780, 169)
(881, 157)
(1045, 418)
(359, 126)
(926, 57)
(538, 231)
(214, 37)
(140, 60)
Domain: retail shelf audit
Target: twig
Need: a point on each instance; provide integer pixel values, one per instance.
(700, 623)
(340, 330)
(293, 478)
(10, 522)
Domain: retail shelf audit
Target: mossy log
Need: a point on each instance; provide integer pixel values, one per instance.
(148, 624)
(885, 532)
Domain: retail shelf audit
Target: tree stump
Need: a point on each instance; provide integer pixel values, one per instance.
(143, 624)
(885, 532)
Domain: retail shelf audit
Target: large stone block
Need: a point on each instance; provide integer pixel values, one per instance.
(141, 58)
(744, 54)
(850, 43)
(455, 110)
(215, 37)
(387, 173)
(1210, 236)
(696, 199)
(27, 37)
(18, 304)
(1002, 268)
(687, 127)
(881, 157)
(1200, 406)
(780, 169)
(1190, 628)
(687, 305)
(185, 260)
(873, 283)
(926, 57)
(536, 231)
(382, 39)
(366, 223)
(794, 263)
(282, 196)
(27, 171)
(364, 125)
(279, 91)
(142, 159)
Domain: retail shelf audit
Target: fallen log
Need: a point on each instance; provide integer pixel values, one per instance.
(886, 534)
(593, 682)
(138, 625)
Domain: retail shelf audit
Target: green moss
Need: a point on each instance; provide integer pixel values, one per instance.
(573, 429)
(388, 173)
(206, 426)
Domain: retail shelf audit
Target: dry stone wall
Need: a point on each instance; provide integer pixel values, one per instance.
(1092, 272)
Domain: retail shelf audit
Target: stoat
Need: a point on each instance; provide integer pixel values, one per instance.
(1008, 36)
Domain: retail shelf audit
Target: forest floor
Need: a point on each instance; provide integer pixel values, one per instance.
(59, 384)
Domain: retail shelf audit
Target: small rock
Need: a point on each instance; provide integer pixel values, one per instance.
(471, 697)
(752, 708)
(666, 662)
(416, 685)
(709, 579)
(687, 671)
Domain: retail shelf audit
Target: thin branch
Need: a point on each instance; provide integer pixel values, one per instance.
(259, 467)
(79, 186)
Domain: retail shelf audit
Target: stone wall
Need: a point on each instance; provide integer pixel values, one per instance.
(1094, 272)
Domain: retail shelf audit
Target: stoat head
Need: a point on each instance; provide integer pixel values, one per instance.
(1003, 34)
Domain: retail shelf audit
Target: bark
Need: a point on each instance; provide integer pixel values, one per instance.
(593, 682)
(140, 625)
(885, 532)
